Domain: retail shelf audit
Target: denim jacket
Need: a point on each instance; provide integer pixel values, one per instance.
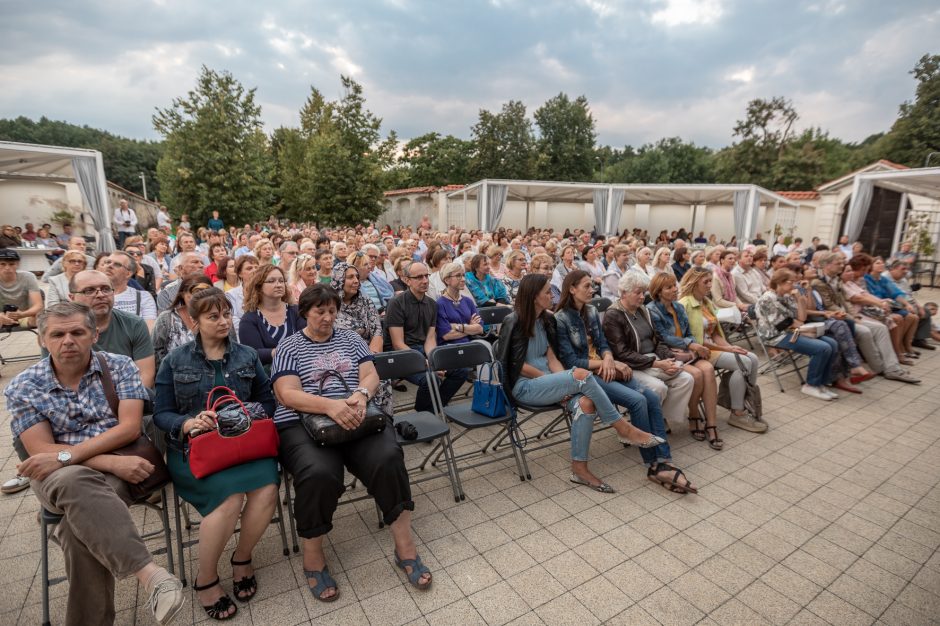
(186, 377)
(572, 336)
(662, 322)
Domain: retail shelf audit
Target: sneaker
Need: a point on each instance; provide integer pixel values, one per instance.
(816, 392)
(747, 422)
(832, 394)
(15, 485)
(166, 596)
(904, 377)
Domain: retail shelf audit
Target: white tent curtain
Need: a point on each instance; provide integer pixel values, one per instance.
(600, 211)
(858, 209)
(740, 216)
(86, 177)
(614, 211)
(492, 212)
(755, 213)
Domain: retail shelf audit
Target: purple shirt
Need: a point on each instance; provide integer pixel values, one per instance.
(449, 314)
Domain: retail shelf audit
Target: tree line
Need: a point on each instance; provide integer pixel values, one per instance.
(334, 166)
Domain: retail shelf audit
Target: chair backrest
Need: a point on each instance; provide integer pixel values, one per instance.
(494, 314)
(400, 363)
(459, 355)
(601, 304)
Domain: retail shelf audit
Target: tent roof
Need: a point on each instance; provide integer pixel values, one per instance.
(548, 191)
(922, 181)
(31, 161)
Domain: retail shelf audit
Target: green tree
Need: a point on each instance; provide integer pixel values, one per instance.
(916, 132)
(668, 161)
(565, 147)
(503, 144)
(124, 159)
(216, 154)
(762, 138)
(431, 159)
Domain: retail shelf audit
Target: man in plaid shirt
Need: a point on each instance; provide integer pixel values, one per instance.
(61, 415)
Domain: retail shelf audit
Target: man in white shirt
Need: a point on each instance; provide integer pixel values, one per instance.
(780, 248)
(120, 267)
(163, 218)
(747, 280)
(186, 243)
(845, 247)
(125, 220)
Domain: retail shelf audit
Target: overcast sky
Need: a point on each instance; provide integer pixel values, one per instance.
(649, 68)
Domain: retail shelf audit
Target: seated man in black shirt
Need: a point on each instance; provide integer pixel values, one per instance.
(412, 321)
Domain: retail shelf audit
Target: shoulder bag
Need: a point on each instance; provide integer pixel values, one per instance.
(325, 432)
(141, 447)
(243, 433)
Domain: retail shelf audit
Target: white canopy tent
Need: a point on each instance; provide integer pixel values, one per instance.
(23, 161)
(923, 181)
(608, 199)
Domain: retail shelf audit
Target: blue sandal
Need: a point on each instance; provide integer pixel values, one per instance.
(418, 569)
(324, 582)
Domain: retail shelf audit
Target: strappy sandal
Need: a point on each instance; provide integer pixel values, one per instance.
(716, 443)
(697, 433)
(247, 586)
(418, 569)
(324, 582)
(222, 605)
(672, 484)
(602, 487)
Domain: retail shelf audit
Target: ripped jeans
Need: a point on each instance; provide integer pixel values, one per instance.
(553, 388)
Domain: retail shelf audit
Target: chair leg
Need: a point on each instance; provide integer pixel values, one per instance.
(44, 565)
(168, 541)
(280, 525)
(378, 514)
(179, 537)
(290, 513)
(452, 472)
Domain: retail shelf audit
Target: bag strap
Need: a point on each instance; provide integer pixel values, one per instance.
(108, 383)
(209, 402)
(138, 301)
(334, 374)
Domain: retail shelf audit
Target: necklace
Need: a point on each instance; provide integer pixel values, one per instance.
(452, 298)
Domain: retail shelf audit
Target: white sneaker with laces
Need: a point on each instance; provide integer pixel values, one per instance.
(15, 485)
(166, 596)
(816, 392)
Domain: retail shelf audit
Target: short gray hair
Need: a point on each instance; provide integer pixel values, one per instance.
(633, 280)
(63, 310)
(370, 247)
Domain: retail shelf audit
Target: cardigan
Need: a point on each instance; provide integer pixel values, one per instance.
(251, 331)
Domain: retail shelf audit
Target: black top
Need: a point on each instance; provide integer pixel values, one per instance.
(416, 317)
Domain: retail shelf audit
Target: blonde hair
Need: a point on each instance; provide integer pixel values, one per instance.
(659, 251)
(691, 279)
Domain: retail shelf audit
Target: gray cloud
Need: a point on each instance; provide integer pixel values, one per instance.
(649, 69)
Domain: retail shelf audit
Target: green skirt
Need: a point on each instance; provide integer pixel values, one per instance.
(205, 494)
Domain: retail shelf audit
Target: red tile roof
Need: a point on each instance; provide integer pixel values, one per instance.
(799, 195)
(896, 166)
(429, 189)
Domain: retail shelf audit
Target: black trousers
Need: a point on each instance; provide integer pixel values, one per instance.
(376, 460)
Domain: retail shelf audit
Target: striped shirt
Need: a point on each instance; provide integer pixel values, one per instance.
(298, 355)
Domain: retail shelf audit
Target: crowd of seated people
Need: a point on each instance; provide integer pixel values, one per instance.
(269, 308)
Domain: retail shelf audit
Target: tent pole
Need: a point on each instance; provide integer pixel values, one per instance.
(610, 210)
(899, 224)
(484, 207)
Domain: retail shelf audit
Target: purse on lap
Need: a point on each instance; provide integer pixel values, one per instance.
(326, 432)
(243, 433)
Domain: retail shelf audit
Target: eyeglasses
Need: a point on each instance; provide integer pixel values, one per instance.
(275, 281)
(457, 276)
(88, 292)
(79, 261)
(134, 252)
(198, 287)
(420, 277)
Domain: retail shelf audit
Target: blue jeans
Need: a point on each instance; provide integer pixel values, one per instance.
(453, 381)
(646, 413)
(821, 352)
(552, 388)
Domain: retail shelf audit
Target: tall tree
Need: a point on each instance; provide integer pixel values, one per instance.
(566, 139)
(916, 132)
(431, 159)
(762, 137)
(504, 146)
(668, 161)
(216, 151)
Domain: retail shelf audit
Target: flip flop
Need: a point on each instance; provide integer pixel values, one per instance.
(601, 488)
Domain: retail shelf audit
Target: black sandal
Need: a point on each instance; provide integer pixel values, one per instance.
(221, 605)
(715, 442)
(671, 484)
(697, 433)
(247, 585)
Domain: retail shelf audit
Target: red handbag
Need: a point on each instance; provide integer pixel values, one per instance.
(211, 451)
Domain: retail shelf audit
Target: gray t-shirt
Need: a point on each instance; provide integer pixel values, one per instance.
(18, 292)
(536, 353)
(645, 332)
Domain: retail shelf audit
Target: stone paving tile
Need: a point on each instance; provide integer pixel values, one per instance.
(816, 522)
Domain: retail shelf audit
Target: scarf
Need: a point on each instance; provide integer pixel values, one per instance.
(727, 283)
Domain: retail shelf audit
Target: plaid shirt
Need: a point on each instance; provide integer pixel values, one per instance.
(35, 395)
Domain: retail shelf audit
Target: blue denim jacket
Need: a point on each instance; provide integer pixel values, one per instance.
(572, 336)
(186, 377)
(666, 328)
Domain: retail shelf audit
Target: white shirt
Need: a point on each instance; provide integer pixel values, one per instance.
(846, 250)
(780, 249)
(125, 215)
(163, 219)
(127, 301)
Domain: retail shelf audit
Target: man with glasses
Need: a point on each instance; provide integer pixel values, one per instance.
(75, 243)
(382, 286)
(412, 324)
(120, 268)
(288, 252)
(189, 263)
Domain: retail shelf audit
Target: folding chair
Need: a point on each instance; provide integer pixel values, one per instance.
(601, 304)
(779, 363)
(492, 315)
(464, 355)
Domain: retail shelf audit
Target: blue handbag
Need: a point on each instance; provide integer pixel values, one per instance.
(489, 397)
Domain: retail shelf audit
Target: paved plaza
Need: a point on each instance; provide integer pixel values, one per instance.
(833, 517)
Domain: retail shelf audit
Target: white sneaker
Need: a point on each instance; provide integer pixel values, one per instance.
(815, 392)
(15, 485)
(166, 596)
(832, 394)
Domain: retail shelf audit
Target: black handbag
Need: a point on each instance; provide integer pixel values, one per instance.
(325, 432)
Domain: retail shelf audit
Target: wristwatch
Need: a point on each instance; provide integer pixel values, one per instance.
(364, 392)
(64, 457)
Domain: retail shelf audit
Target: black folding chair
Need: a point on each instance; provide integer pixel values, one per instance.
(464, 355)
(494, 314)
(601, 304)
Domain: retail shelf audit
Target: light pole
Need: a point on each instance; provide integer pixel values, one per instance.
(143, 180)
